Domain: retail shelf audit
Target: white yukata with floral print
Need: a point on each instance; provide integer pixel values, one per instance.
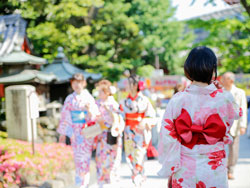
(82, 147)
(136, 140)
(195, 129)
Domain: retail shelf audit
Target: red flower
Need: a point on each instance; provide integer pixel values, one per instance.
(177, 184)
(171, 128)
(200, 184)
(216, 159)
(240, 113)
(172, 168)
(215, 92)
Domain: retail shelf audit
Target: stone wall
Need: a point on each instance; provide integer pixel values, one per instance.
(62, 180)
(46, 129)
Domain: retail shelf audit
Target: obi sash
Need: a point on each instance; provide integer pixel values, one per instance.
(190, 134)
(133, 119)
(78, 116)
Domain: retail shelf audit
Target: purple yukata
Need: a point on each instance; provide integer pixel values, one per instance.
(74, 118)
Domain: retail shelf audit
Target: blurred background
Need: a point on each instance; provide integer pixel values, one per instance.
(43, 43)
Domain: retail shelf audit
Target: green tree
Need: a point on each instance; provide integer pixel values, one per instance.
(117, 44)
(104, 36)
(162, 35)
(230, 38)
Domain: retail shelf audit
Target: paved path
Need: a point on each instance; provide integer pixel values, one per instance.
(242, 172)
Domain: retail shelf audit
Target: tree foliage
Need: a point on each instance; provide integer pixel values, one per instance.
(230, 38)
(104, 36)
(162, 35)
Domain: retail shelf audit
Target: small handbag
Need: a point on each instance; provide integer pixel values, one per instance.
(111, 140)
(91, 131)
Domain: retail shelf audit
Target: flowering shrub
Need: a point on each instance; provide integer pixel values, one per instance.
(8, 170)
(17, 161)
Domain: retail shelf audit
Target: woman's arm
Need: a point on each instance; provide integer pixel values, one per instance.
(65, 128)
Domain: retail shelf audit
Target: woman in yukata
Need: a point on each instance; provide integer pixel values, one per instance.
(109, 148)
(79, 111)
(195, 127)
(139, 119)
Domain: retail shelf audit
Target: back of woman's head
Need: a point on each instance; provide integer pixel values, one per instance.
(200, 65)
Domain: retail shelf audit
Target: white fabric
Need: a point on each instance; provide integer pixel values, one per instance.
(240, 99)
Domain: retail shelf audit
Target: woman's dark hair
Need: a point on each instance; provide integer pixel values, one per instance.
(134, 79)
(200, 65)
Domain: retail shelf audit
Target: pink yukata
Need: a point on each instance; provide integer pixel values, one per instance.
(195, 129)
(135, 140)
(108, 157)
(82, 147)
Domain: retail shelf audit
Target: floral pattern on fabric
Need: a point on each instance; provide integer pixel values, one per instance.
(82, 147)
(177, 183)
(171, 128)
(201, 164)
(108, 157)
(216, 159)
(200, 184)
(136, 140)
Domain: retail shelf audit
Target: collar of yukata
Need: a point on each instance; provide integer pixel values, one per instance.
(201, 90)
(133, 98)
(83, 91)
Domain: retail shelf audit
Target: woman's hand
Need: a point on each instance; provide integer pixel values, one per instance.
(242, 131)
(101, 122)
(141, 125)
(217, 84)
(144, 124)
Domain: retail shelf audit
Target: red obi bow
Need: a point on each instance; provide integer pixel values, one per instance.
(211, 132)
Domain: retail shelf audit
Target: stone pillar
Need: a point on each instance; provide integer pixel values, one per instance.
(21, 112)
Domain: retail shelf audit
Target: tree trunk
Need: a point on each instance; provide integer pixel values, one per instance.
(246, 6)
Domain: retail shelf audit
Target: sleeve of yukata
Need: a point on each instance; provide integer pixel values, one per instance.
(243, 107)
(65, 124)
(233, 112)
(118, 122)
(150, 114)
(121, 109)
(169, 147)
(93, 108)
